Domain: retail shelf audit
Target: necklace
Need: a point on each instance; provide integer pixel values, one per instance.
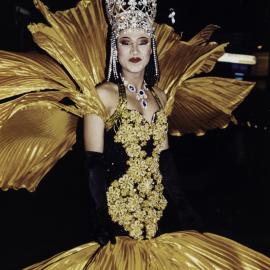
(140, 93)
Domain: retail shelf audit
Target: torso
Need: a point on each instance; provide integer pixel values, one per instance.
(131, 146)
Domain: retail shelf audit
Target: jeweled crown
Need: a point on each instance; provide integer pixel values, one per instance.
(131, 14)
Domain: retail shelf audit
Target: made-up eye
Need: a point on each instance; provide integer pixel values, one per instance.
(144, 41)
(124, 42)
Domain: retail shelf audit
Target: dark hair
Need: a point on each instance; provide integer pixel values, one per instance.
(150, 76)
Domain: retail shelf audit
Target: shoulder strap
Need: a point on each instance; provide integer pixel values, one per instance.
(122, 93)
(111, 121)
(156, 98)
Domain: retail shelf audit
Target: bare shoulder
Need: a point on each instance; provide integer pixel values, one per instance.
(108, 93)
(106, 90)
(161, 94)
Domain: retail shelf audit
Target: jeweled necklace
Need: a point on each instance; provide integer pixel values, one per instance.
(140, 93)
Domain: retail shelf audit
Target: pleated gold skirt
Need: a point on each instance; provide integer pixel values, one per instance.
(179, 250)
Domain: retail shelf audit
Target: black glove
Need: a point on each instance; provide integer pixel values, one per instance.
(187, 218)
(96, 174)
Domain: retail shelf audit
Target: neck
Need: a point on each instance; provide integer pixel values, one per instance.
(135, 79)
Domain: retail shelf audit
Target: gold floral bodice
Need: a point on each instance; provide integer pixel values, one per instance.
(135, 200)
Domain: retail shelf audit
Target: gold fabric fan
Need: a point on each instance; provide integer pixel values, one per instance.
(37, 127)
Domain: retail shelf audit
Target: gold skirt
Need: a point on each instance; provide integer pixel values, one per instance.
(179, 250)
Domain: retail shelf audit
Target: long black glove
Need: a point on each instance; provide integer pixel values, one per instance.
(95, 166)
(186, 216)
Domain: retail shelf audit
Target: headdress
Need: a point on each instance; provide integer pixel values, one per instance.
(134, 15)
(131, 14)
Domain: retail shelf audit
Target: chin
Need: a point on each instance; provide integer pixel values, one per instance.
(135, 68)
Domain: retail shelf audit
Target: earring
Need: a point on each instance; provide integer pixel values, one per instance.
(154, 46)
(110, 66)
(113, 60)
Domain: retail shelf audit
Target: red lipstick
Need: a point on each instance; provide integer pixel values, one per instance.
(135, 59)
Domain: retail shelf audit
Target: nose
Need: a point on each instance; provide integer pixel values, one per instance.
(134, 48)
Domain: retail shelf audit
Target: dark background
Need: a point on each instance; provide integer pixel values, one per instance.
(225, 173)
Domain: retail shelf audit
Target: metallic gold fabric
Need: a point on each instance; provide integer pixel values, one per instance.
(206, 103)
(76, 38)
(179, 61)
(32, 140)
(75, 41)
(199, 104)
(187, 250)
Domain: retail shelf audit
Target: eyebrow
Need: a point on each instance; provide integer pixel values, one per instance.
(130, 38)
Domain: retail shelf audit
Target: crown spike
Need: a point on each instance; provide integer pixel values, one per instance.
(131, 14)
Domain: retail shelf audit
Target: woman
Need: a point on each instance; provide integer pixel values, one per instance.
(146, 106)
(131, 175)
(134, 51)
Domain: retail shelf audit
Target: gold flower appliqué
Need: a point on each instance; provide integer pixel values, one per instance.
(136, 200)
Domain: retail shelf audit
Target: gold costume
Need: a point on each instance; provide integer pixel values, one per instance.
(185, 250)
(37, 127)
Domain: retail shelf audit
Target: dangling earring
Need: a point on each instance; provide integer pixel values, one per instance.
(110, 66)
(113, 59)
(154, 46)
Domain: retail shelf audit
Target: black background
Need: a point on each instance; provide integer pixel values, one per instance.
(225, 173)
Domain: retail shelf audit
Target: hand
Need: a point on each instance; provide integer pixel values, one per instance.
(104, 231)
(189, 218)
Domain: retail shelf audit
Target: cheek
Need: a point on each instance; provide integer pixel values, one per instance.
(122, 54)
(147, 53)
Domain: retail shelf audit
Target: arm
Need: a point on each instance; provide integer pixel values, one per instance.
(93, 133)
(187, 218)
(93, 124)
(96, 175)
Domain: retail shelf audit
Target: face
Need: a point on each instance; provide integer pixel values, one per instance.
(134, 50)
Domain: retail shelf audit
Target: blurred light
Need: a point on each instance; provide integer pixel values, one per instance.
(172, 15)
(22, 10)
(259, 47)
(238, 59)
(240, 74)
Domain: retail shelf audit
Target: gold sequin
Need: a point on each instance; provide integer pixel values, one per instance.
(136, 199)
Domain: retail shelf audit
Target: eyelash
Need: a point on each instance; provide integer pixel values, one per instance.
(126, 43)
